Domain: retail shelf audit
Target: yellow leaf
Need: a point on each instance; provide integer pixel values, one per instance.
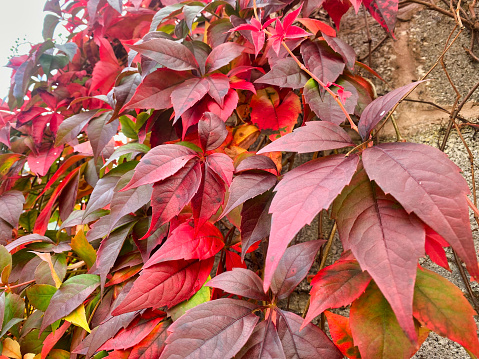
(29, 356)
(11, 349)
(47, 258)
(78, 318)
(245, 135)
(84, 249)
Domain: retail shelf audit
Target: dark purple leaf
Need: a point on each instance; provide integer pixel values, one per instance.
(285, 73)
(240, 281)
(11, 203)
(309, 343)
(293, 267)
(257, 163)
(246, 186)
(71, 127)
(264, 343)
(380, 107)
(214, 330)
(346, 51)
(168, 53)
(315, 136)
(322, 61)
(222, 55)
(188, 93)
(211, 131)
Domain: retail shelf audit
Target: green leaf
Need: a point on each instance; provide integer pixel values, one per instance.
(14, 312)
(202, 296)
(84, 249)
(40, 295)
(141, 119)
(33, 341)
(5, 263)
(440, 306)
(50, 63)
(190, 146)
(27, 220)
(375, 328)
(128, 127)
(69, 297)
(49, 24)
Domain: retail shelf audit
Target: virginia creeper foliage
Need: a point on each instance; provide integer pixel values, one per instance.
(146, 212)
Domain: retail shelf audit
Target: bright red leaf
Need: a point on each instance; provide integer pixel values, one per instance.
(341, 334)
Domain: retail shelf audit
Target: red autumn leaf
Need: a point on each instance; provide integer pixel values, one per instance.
(435, 191)
(336, 9)
(309, 342)
(242, 282)
(285, 73)
(341, 334)
(159, 163)
(173, 193)
(29, 115)
(264, 342)
(106, 70)
(134, 334)
(43, 218)
(219, 85)
(315, 25)
(269, 114)
(367, 218)
(166, 284)
(336, 286)
(315, 136)
(187, 94)
(156, 88)
(285, 30)
(383, 12)
(209, 197)
(211, 131)
(222, 165)
(375, 328)
(53, 338)
(434, 248)
(152, 345)
(322, 61)
(187, 242)
(62, 170)
(380, 107)
(215, 330)
(257, 163)
(222, 55)
(233, 260)
(29, 238)
(246, 186)
(440, 306)
(300, 196)
(257, 35)
(168, 53)
(293, 267)
(255, 221)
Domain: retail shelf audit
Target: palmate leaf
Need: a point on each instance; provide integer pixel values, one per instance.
(440, 306)
(386, 241)
(426, 182)
(384, 12)
(188, 93)
(166, 284)
(322, 61)
(300, 196)
(216, 330)
(222, 165)
(211, 131)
